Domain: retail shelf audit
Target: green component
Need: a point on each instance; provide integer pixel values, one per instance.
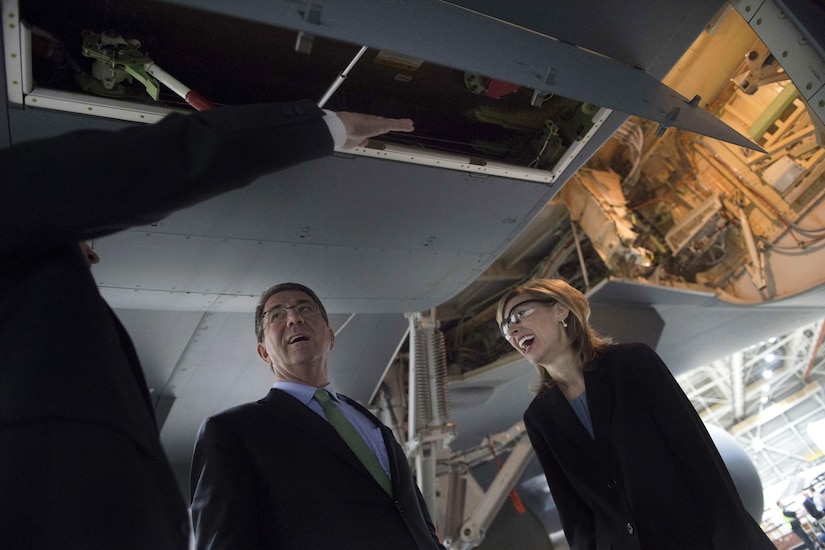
(773, 112)
(118, 56)
(657, 244)
(513, 119)
(582, 120)
(589, 109)
(475, 82)
(93, 86)
(140, 74)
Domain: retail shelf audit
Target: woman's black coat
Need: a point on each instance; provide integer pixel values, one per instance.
(652, 478)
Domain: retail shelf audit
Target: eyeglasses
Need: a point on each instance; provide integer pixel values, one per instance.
(279, 314)
(515, 317)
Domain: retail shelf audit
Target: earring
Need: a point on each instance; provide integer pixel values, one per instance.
(563, 323)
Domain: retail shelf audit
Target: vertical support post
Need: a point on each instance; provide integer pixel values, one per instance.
(737, 373)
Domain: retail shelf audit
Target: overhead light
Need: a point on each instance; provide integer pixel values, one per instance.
(767, 373)
(770, 357)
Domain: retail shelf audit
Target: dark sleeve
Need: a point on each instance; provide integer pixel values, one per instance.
(728, 523)
(89, 183)
(576, 517)
(223, 491)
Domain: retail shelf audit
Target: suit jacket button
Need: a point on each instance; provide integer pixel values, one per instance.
(612, 484)
(629, 529)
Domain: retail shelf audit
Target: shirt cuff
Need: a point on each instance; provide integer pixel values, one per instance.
(336, 128)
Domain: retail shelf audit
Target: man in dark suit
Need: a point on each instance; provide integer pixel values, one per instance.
(81, 465)
(276, 474)
(810, 506)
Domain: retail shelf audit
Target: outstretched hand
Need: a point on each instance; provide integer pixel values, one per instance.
(361, 127)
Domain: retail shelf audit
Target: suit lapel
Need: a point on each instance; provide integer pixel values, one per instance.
(281, 405)
(600, 402)
(390, 443)
(568, 422)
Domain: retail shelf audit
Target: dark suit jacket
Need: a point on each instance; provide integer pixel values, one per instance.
(652, 478)
(81, 465)
(274, 474)
(811, 508)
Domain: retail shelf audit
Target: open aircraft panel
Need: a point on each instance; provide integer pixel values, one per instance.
(236, 61)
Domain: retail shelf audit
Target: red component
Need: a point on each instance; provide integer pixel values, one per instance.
(497, 89)
(516, 500)
(199, 102)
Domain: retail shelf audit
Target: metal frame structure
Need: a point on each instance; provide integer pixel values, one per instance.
(766, 396)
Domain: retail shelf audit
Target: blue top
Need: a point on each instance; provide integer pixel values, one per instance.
(368, 430)
(581, 409)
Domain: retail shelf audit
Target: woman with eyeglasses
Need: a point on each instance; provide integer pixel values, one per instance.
(629, 462)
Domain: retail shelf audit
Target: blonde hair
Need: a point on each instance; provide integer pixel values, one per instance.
(585, 341)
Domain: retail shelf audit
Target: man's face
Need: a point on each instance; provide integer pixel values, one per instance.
(297, 340)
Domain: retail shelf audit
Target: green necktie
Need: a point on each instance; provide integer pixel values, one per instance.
(351, 436)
